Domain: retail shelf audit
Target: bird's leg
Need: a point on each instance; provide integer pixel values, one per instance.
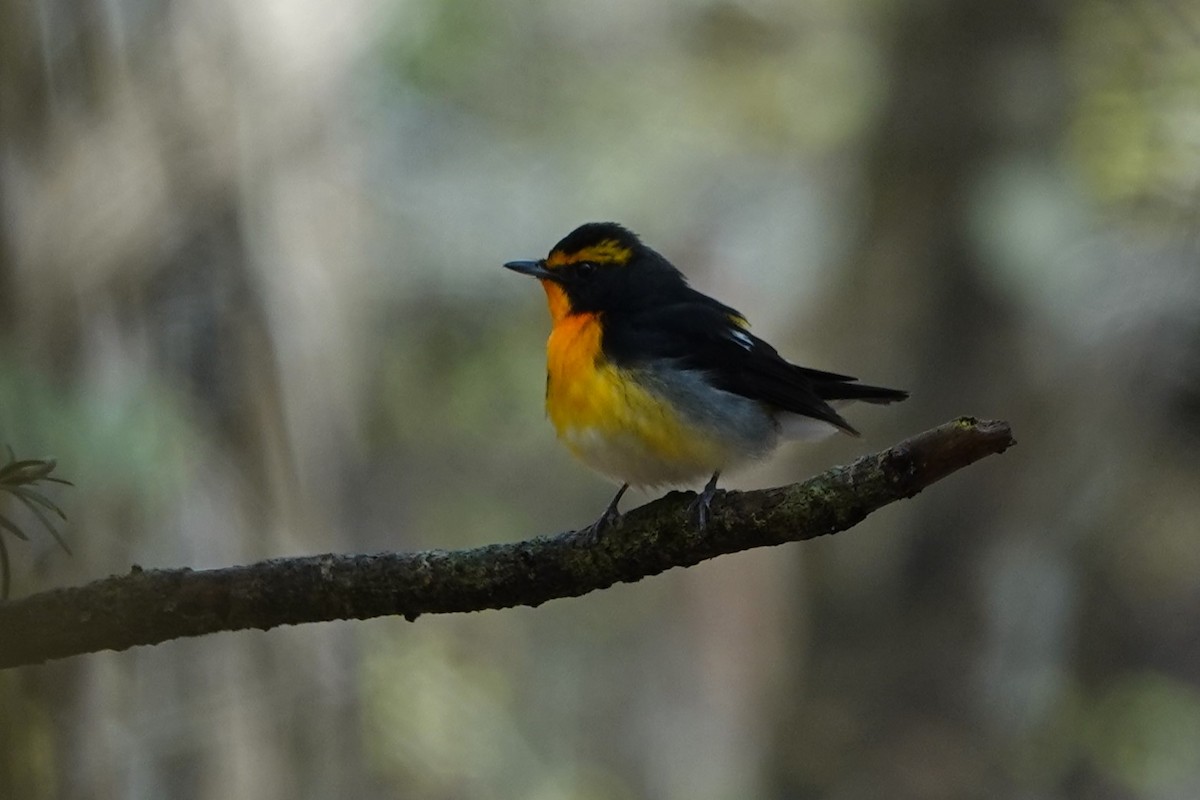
(607, 519)
(700, 505)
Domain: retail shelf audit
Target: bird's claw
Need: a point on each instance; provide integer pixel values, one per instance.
(608, 519)
(699, 510)
(701, 507)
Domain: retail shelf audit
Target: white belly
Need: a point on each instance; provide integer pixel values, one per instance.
(626, 458)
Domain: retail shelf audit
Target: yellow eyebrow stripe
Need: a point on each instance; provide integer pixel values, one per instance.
(610, 251)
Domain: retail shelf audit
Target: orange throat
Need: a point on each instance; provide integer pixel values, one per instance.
(556, 298)
(577, 378)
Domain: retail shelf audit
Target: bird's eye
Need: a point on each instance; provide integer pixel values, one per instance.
(585, 268)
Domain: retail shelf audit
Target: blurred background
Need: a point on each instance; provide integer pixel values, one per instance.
(251, 299)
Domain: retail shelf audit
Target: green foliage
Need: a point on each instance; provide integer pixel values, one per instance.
(18, 479)
(1144, 733)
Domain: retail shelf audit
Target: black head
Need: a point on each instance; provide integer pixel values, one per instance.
(602, 266)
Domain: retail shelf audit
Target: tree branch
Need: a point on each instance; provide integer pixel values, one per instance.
(152, 606)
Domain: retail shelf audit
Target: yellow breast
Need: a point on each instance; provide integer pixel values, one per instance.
(612, 423)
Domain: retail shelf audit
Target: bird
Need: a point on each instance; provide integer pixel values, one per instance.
(651, 382)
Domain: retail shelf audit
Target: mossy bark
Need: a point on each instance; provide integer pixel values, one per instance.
(151, 606)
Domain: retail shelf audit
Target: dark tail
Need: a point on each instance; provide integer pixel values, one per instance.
(814, 388)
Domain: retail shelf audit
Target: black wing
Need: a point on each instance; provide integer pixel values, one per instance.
(707, 336)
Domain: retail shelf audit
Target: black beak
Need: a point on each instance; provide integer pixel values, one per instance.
(535, 268)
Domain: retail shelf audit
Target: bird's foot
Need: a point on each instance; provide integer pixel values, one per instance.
(700, 507)
(608, 519)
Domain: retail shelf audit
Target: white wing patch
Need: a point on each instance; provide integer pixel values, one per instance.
(742, 338)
